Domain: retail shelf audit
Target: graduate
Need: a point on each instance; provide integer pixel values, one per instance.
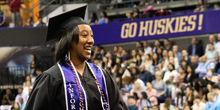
(73, 83)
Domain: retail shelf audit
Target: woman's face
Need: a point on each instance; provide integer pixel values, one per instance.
(159, 51)
(180, 70)
(154, 56)
(189, 70)
(140, 52)
(200, 2)
(28, 20)
(158, 77)
(157, 43)
(188, 91)
(211, 47)
(170, 67)
(102, 14)
(170, 53)
(102, 52)
(83, 49)
(171, 60)
(133, 70)
(120, 49)
(149, 86)
(138, 57)
(28, 78)
(16, 106)
(136, 10)
(118, 60)
(133, 53)
(164, 53)
(120, 71)
(28, 83)
(147, 57)
(8, 91)
(209, 86)
(183, 63)
(145, 44)
(123, 52)
(138, 44)
(115, 49)
(104, 59)
(141, 96)
(137, 85)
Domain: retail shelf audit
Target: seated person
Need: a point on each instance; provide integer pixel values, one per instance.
(131, 103)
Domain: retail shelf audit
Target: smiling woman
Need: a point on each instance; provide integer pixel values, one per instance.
(73, 83)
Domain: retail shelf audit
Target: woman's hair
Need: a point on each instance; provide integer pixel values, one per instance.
(158, 41)
(137, 10)
(117, 72)
(65, 43)
(193, 72)
(155, 61)
(144, 95)
(135, 95)
(141, 44)
(179, 94)
(138, 62)
(150, 58)
(168, 54)
(105, 14)
(160, 54)
(127, 79)
(168, 102)
(192, 95)
(190, 88)
(94, 16)
(185, 62)
(172, 65)
(202, 2)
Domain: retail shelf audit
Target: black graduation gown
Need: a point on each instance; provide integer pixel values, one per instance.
(48, 92)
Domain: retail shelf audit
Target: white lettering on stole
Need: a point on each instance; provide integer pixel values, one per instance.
(72, 100)
(80, 104)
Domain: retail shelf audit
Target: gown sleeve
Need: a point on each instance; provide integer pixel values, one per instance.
(115, 100)
(43, 93)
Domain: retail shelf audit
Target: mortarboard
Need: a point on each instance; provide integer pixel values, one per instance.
(60, 24)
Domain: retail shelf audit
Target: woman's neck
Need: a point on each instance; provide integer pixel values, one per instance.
(78, 64)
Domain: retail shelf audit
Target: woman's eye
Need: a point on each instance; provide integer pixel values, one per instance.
(92, 36)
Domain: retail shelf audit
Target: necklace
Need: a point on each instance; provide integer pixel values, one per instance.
(80, 93)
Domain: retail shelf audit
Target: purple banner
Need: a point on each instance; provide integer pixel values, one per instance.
(157, 28)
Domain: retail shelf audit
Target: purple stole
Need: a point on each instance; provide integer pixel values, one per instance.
(72, 94)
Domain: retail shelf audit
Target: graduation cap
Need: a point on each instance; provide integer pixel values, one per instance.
(60, 24)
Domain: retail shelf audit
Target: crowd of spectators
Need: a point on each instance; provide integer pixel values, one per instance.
(11, 101)
(161, 77)
(154, 77)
